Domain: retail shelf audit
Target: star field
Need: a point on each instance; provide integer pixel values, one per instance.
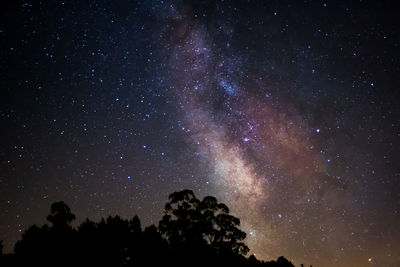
(287, 111)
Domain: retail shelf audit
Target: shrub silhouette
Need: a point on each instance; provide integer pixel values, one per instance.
(192, 232)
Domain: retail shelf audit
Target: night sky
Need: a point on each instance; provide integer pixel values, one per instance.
(287, 111)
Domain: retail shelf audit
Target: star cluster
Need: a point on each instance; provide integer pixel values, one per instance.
(286, 111)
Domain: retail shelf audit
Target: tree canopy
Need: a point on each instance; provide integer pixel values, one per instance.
(191, 222)
(191, 232)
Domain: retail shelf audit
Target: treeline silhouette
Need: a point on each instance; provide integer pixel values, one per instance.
(192, 232)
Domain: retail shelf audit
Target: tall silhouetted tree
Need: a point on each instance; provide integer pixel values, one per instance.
(201, 226)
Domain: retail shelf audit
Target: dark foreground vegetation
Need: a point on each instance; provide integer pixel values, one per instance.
(192, 232)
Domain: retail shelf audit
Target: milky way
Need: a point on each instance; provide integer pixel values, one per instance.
(250, 145)
(286, 115)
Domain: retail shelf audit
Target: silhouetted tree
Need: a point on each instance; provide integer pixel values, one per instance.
(282, 261)
(192, 232)
(47, 245)
(193, 227)
(60, 215)
(114, 241)
(154, 249)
